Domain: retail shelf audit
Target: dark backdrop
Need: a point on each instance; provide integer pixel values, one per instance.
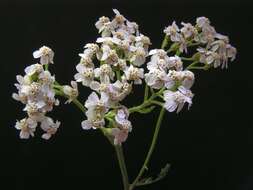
(209, 147)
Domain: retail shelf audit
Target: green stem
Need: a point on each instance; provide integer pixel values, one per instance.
(198, 68)
(79, 105)
(157, 103)
(122, 165)
(165, 42)
(46, 67)
(118, 75)
(147, 102)
(146, 93)
(194, 44)
(187, 58)
(151, 149)
(75, 101)
(191, 65)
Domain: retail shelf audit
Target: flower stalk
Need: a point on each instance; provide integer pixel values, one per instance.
(151, 149)
(122, 164)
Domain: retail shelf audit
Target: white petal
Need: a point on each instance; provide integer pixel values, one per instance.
(24, 135)
(46, 136)
(80, 68)
(86, 125)
(153, 51)
(79, 77)
(170, 106)
(91, 100)
(95, 85)
(37, 54)
(116, 11)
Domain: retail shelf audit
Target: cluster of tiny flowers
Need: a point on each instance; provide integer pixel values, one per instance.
(110, 67)
(167, 72)
(35, 90)
(216, 49)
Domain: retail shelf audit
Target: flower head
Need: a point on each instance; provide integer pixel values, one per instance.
(45, 54)
(176, 100)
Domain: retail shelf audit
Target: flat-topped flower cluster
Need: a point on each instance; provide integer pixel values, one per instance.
(111, 67)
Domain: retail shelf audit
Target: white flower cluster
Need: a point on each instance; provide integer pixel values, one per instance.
(167, 72)
(112, 66)
(217, 49)
(118, 54)
(35, 90)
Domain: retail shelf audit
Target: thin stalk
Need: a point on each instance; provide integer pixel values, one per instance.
(165, 41)
(122, 165)
(187, 58)
(157, 103)
(75, 101)
(151, 149)
(198, 68)
(118, 75)
(147, 102)
(146, 93)
(46, 67)
(192, 65)
(79, 105)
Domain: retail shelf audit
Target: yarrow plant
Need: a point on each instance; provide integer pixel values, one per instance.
(119, 60)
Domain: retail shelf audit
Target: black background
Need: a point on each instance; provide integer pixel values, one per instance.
(209, 147)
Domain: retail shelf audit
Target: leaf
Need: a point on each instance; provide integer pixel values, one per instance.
(150, 180)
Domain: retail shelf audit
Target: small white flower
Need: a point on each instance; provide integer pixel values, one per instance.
(46, 78)
(160, 64)
(96, 110)
(49, 127)
(175, 62)
(188, 30)
(121, 119)
(202, 22)
(135, 74)
(172, 32)
(33, 69)
(156, 78)
(185, 78)
(142, 41)
(207, 34)
(84, 75)
(104, 26)
(118, 20)
(94, 101)
(208, 57)
(104, 73)
(71, 91)
(119, 90)
(176, 100)
(109, 56)
(138, 57)
(89, 51)
(45, 54)
(132, 27)
(101, 22)
(99, 87)
(86, 61)
(120, 135)
(188, 79)
(27, 127)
